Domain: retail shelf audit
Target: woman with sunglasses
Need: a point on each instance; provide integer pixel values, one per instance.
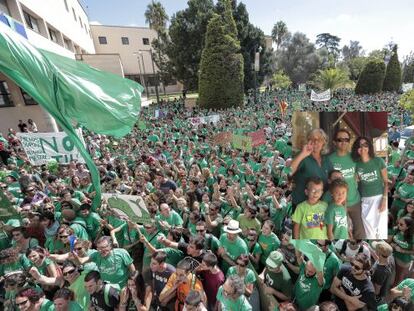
(21, 240)
(403, 244)
(60, 244)
(249, 278)
(30, 299)
(373, 186)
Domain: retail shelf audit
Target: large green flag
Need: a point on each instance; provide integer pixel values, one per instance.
(72, 92)
(312, 251)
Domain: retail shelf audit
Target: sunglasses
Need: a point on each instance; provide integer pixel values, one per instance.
(321, 245)
(78, 248)
(63, 236)
(342, 140)
(201, 230)
(22, 303)
(68, 272)
(241, 264)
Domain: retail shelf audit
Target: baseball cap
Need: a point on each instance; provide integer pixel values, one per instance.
(274, 260)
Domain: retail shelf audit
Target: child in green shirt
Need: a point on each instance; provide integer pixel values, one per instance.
(335, 216)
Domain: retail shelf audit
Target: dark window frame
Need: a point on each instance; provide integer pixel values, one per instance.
(28, 100)
(145, 41)
(53, 33)
(74, 15)
(5, 95)
(66, 5)
(29, 19)
(102, 40)
(125, 40)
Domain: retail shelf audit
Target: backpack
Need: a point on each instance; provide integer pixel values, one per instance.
(345, 244)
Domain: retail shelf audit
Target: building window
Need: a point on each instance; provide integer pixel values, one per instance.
(80, 22)
(74, 14)
(31, 22)
(66, 44)
(3, 7)
(66, 5)
(145, 41)
(102, 40)
(5, 96)
(28, 100)
(53, 35)
(125, 40)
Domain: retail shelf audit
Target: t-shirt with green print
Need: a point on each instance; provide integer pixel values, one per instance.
(21, 264)
(249, 277)
(370, 178)
(336, 215)
(306, 290)
(402, 242)
(268, 243)
(311, 220)
(173, 255)
(93, 223)
(405, 191)
(347, 166)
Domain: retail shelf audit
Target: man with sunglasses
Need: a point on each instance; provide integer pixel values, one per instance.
(352, 287)
(75, 281)
(341, 160)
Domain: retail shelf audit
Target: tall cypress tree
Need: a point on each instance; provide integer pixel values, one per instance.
(393, 75)
(371, 78)
(221, 67)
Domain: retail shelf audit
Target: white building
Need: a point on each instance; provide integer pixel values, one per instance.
(60, 26)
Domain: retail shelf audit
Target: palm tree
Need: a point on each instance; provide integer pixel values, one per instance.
(332, 78)
(156, 16)
(279, 33)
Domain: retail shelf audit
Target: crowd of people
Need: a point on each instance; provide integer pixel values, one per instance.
(222, 219)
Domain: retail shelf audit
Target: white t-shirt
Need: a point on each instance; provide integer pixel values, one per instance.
(351, 252)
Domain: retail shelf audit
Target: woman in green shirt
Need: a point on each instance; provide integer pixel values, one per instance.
(403, 244)
(30, 299)
(64, 300)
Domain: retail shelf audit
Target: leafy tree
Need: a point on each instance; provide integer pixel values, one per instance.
(408, 69)
(355, 66)
(407, 101)
(377, 54)
(280, 80)
(221, 67)
(371, 78)
(298, 58)
(187, 32)
(393, 75)
(352, 51)
(332, 78)
(330, 42)
(279, 33)
(157, 19)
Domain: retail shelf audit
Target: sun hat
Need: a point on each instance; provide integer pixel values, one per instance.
(274, 260)
(233, 227)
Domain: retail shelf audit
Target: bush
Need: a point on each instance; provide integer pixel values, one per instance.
(221, 67)
(393, 75)
(371, 78)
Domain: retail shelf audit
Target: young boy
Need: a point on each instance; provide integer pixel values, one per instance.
(334, 174)
(335, 216)
(308, 218)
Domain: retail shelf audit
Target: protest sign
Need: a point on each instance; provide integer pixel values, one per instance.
(324, 96)
(40, 148)
(190, 103)
(407, 87)
(258, 138)
(242, 142)
(6, 208)
(223, 138)
(131, 206)
(204, 120)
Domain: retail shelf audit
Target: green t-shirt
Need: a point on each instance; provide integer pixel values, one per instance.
(370, 178)
(311, 220)
(248, 223)
(394, 156)
(307, 290)
(268, 243)
(330, 268)
(153, 240)
(80, 231)
(233, 249)
(249, 277)
(336, 215)
(407, 283)
(4, 240)
(47, 305)
(55, 246)
(93, 222)
(405, 191)
(347, 166)
(74, 306)
(22, 264)
(399, 239)
(281, 281)
(114, 267)
(173, 255)
(173, 220)
(81, 295)
(240, 304)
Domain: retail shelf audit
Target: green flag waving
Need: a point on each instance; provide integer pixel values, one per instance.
(312, 251)
(71, 91)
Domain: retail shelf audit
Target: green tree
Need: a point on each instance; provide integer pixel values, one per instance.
(221, 67)
(330, 42)
(393, 75)
(280, 80)
(156, 16)
(371, 78)
(298, 59)
(279, 33)
(408, 68)
(352, 51)
(407, 101)
(187, 32)
(332, 78)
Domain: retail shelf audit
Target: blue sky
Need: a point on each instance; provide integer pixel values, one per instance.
(371, 22)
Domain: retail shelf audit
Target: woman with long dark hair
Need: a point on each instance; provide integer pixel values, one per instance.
(373, 187)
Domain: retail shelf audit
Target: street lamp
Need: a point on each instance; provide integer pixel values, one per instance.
(143, 82)
(153, 71)
(256, 68)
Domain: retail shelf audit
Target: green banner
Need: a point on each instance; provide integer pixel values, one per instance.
(312, 251)
(131, 206)
(242, 142)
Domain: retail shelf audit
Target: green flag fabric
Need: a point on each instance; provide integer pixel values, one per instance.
(72, 92)
(312, 251)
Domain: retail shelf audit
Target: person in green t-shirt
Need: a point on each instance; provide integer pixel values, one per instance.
(373, 186)
(268, 240)
(29, 299)
(330, 268)
(403, 194)
(308, 218)
(76, 280)
(168, 218)
(92, 220)
(341, 160)
(230, 295)
(335, 215)
(64, 300)
(405, 289)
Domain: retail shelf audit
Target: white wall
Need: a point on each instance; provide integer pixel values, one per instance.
(55, 14)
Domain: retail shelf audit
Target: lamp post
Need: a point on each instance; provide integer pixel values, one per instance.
(154, 73)
(143, 68)
(142, 77)
(139, 69)
(256, 67)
